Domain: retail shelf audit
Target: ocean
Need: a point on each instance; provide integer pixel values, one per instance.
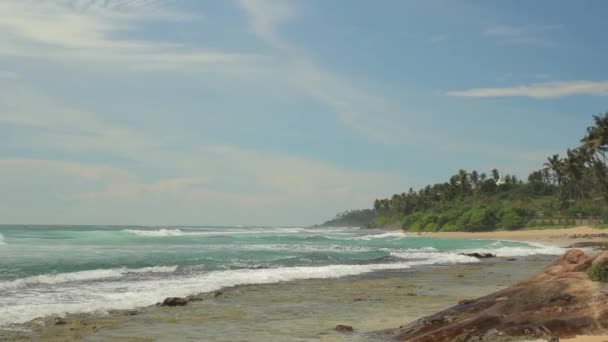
(56, 270)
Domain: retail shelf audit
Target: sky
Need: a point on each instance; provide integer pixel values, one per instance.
(279, 112)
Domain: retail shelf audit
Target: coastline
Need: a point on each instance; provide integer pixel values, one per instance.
(554, 236)
(374, 301)
(298, 310)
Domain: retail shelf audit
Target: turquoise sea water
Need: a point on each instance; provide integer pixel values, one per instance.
(46, 270)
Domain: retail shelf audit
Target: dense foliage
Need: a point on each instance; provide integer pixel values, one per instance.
(598, 273)
(352, 218)
(564, 189)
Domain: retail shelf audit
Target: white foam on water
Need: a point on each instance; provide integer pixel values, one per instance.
(381, 236)
(431, 258)
(2, 241)
(99, 297)
(165, 232)
(70, 277)
(500, 250)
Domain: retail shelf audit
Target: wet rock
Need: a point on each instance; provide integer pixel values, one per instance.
(218, 294)
(174, 301)
(596, 245)
(479, 255)
(60, 321)
(558, 302)
(344, 328)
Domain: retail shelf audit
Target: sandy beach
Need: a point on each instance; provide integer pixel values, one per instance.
(559, 237)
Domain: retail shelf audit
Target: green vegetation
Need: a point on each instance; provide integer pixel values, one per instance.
(565, 192)
(353, 218)
(598, 272)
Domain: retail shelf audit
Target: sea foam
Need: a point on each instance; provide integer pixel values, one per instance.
(49, 279)
(128, 294)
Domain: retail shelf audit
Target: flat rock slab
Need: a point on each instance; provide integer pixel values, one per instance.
(558, 302)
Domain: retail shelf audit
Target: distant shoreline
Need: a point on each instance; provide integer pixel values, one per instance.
(561, 236)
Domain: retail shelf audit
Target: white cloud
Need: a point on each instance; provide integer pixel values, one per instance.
(526, 34)
(540, 90)
(89, 31)
(204, 183)
(288, 190)
(362, 110)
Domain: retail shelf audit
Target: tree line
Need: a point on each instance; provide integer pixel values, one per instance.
(572, 185)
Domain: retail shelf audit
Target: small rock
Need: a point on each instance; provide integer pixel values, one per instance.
(218, 294)
(460, 276)
(479, 255)
(465, 301)
(344, 328)
(174, 301)
(60, 321)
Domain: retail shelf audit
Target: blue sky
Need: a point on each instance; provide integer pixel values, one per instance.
(280, 112)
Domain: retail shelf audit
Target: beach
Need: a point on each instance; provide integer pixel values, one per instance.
(553, 236)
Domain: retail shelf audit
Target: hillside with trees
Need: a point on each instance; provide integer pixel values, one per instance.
(566, 190)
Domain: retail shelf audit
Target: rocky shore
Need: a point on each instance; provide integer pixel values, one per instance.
(558, 302)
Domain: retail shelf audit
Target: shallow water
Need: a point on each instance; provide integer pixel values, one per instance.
(302, 310)
(46, 270)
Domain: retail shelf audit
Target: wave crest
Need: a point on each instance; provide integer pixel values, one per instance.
(48, 279)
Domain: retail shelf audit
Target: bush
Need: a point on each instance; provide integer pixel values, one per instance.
(477, 219)
(410, 220)
(511, 219)
(598, 273)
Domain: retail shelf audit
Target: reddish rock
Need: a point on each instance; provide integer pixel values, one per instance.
(558, 302)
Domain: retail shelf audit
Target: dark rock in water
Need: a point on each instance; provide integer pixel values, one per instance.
(344, 328)
(61, 321)
(174, 301)
(596, 245)
(479, 255)
(558, 302)
(218, 294)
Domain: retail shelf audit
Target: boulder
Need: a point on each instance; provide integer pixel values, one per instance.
(558, 302)
(600, 259)
(174, 301)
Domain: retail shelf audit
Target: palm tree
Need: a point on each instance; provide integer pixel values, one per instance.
(475, 179)
(463, 180)
(595, 143)
(495, 175)
(555, 164)
(596, 139)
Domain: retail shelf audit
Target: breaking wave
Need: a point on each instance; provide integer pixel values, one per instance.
(49, 279)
